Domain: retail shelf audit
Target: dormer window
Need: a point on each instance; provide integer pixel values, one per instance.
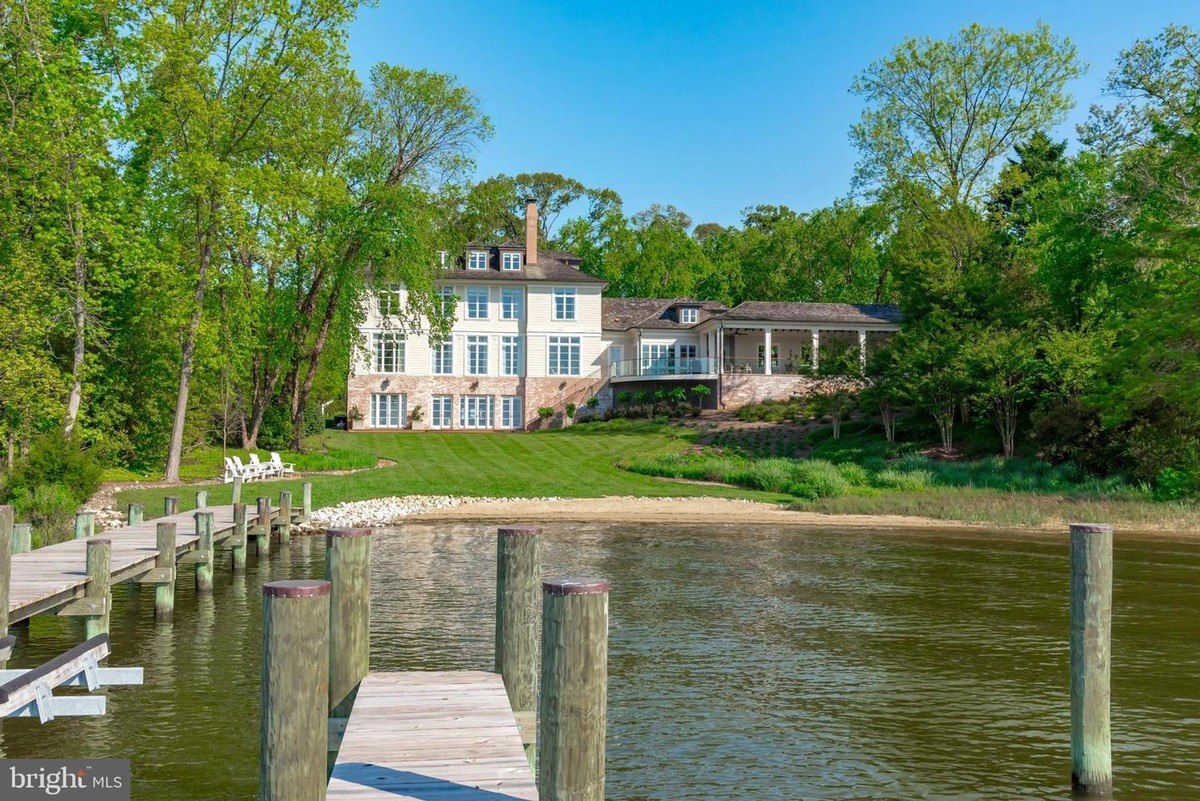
(689, 314)
(477, 260)
(511, 261)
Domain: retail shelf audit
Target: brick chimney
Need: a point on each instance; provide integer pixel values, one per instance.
(531, 231)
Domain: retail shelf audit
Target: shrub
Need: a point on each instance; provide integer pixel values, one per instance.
(816, 478)
(906, 480)
(545, 412)
(593, 402)
(53, 459)
(275, 433)
(1176, 485)
(314, 421)
(856, 474)
(571, 409)
(51, 510)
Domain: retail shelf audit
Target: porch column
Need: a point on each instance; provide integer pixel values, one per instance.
(767, 350)
(862, 350)
(720, 354)
(816, 350)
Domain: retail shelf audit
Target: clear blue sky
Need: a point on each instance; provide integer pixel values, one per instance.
(710, 106)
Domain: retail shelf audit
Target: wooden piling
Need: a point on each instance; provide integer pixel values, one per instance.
(574, 690)
(1091, 654)
(237, 490)
(164, 592)
(135, 514)
(6, 534)
(285, 516)
(518, 591)
(99, 586)
(295, 685)
(22, 537)
(201, 499)
(306, 502)
(239, 535)
(262, 531)
(170, 506)
(85, 525)
(206, 552)
(348, 569)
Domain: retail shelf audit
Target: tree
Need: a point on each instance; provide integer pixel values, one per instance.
(1005, 377)
(940, 113)
(835, 405)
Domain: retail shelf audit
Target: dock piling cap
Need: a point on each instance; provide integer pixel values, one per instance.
(576, 586)
(1092, 528)
(296, 588)
(349, 532)
(519, 530)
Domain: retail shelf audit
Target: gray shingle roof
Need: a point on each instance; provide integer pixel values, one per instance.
(814, 312)
(621, 314)
(548, 268)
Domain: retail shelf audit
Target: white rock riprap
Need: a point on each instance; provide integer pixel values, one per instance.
(380, 512)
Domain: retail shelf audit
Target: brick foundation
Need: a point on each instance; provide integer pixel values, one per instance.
(740, 390)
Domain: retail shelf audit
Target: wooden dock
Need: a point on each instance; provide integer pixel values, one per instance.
(52, 577)
(431, 734)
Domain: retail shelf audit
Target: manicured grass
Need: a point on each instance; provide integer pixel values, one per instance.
(322, 452)
(580, 461)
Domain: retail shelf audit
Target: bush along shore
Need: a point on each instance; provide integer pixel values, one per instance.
(862, 473)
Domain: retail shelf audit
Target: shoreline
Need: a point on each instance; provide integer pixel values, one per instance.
(692, 510)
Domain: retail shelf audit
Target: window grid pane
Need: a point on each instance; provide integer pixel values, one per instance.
(564, 303)
(477, 260)
(387, 348)
(388, 411)
(477, 355)
(510, 412)
(477, 304)
(443, 358)
(511, 355)
(564, 356)
(510, 304)
(512, 261)
(440, 414)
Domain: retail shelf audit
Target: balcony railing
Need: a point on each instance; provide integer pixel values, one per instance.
(664, 366)
(758, 367)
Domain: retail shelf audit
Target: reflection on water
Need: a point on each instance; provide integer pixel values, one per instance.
(746, 662)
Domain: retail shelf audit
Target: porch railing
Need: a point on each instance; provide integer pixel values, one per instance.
(664, 366)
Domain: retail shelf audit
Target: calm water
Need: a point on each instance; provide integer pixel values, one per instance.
(746, 663)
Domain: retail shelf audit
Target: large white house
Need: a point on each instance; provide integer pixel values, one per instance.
(532, 331)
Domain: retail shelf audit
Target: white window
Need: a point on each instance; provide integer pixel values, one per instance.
(511, 261)
(476, 411)
(512, 303)
(443, 358)
(564, 303)
(387, 351)
(564, 356)
(689, 314)
(388, 299)
(477, 260)
(510, 355)
(477, 303)
(510, 412)
(449, 300)
(657, 359)
(389, 411)
(477, 355)
(688, 363)
(441, 411)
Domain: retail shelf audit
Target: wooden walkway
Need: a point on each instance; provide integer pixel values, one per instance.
(450, 736)
(47, 578)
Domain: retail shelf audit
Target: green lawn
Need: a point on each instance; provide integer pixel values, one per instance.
(580, 461)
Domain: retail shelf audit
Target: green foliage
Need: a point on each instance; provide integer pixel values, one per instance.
(570, 409)
(545, 412)
(54, 459)
(773, 411)
(276, 431)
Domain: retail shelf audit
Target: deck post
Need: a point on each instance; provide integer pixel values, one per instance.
(237, 489)
(262, 531)
(574, 690)
(294, 731)
(518, 579)
(136, 514)
(164, 593)
(170, 506)
(6, 533)
(201, 499)
(85, 525)
(239, 538)
(285, 516)
(1091, 654)
(204, 544)
(348, 569)
(99, 586)
(22, 537)
(306, 502)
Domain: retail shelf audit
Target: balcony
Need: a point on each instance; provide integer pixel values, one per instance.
(664, 367)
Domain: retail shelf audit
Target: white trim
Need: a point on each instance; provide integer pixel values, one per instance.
(471, 259)
(504, 260)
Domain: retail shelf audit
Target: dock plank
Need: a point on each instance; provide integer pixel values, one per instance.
(423, 735)
(49, 576)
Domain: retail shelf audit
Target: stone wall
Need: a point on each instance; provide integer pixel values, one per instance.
(738, 390)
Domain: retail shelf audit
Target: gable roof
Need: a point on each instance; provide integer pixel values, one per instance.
(552, 265)
(621, 314)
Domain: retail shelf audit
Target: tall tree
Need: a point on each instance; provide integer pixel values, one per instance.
(940, 113)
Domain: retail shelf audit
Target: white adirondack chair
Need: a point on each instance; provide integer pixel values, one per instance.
(249, 473)
(284, 468)
(265, 468)
(231, 471)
